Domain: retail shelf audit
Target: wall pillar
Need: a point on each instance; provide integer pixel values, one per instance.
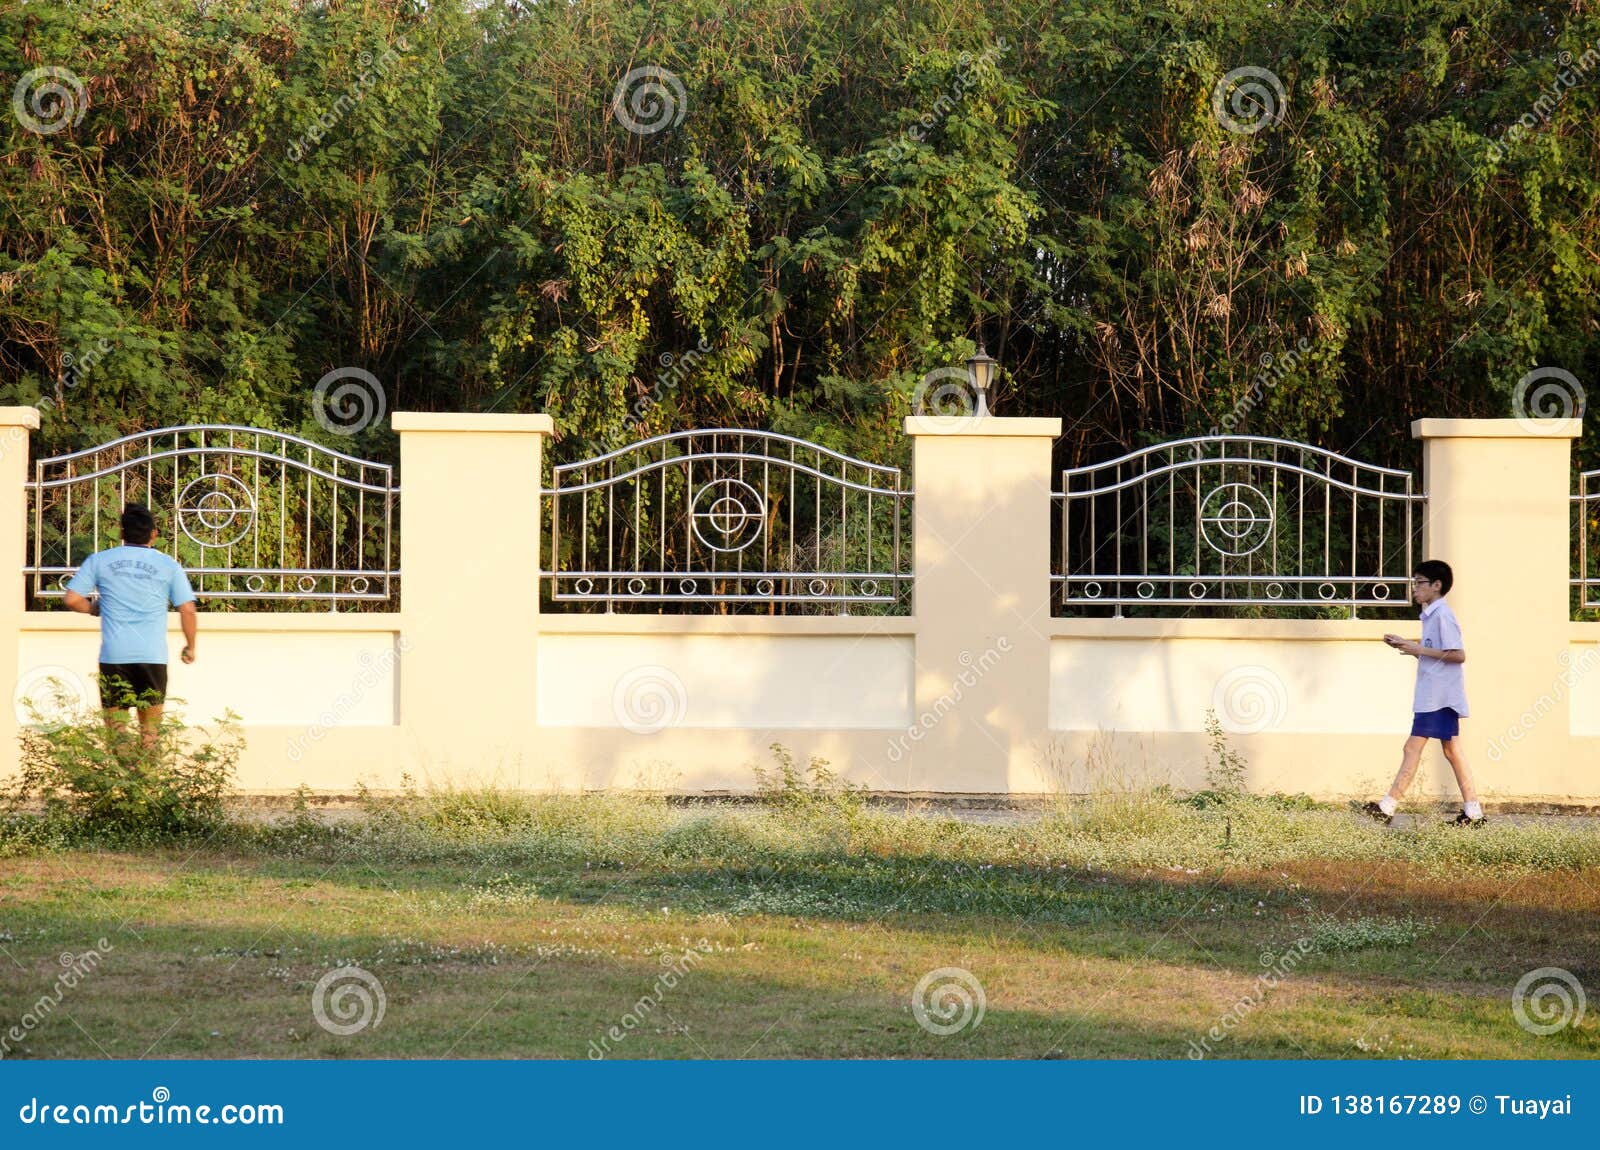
(16, 423)
(469, 595)
(1499, 513)
(982, 603)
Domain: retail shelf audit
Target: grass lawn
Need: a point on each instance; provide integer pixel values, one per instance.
(505, 926)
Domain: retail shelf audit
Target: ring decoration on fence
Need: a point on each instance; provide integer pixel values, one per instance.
(216, 510)
(726, 516)
(251, 514)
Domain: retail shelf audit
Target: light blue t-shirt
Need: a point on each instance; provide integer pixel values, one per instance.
(136, 585)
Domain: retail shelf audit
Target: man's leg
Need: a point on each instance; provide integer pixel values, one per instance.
(150, 723)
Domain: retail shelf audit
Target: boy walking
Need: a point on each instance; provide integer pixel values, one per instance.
(135, 584)
(1440, 701)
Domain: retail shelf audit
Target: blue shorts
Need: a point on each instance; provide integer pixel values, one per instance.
(1441, 724)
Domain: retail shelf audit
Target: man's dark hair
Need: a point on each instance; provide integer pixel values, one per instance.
(138, 525)
(1437, 571)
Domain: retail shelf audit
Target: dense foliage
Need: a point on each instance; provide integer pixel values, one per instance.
(248, 194)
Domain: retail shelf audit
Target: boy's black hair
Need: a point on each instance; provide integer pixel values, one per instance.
(1437, 571)
(138, 525)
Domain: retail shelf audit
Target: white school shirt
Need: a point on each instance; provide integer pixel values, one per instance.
(1440, 684)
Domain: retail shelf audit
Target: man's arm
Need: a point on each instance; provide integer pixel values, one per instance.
(190, 618)
(77, 602)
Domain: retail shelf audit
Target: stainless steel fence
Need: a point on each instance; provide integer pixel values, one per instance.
(747, 518)
(1586, 576)
(1233, 521)
(249, 513)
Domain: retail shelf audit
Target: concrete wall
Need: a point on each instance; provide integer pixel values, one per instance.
(979, 691)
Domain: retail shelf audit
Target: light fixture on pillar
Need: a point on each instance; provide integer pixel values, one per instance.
(980, 371)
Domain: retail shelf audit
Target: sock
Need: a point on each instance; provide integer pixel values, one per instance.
(1387, 805)
(1474, 811)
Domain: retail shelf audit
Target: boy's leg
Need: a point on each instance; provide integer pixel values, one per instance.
(1458, 763)
(1409, 760)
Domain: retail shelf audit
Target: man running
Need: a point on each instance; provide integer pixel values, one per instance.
(135, 583)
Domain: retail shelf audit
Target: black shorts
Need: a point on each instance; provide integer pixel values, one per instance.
(124, 685)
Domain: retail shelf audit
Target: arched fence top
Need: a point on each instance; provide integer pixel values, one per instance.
(283, 437)
(1198, 443)
(251, 513)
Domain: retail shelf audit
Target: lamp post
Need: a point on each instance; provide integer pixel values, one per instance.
(980, 370)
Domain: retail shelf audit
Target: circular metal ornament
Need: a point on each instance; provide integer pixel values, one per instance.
(359, 585)
(1274, 590)
(686, 586)
(818, 586)
(1197, 590)
(1381, 591)
(636, 586)
(1146, 590)
(764, 587)
(216, 510)
(307, 584)
(1236, 518)
(1327, 591)
(727, 514)
(255, 584)
(1091, 590)
(584, 586)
